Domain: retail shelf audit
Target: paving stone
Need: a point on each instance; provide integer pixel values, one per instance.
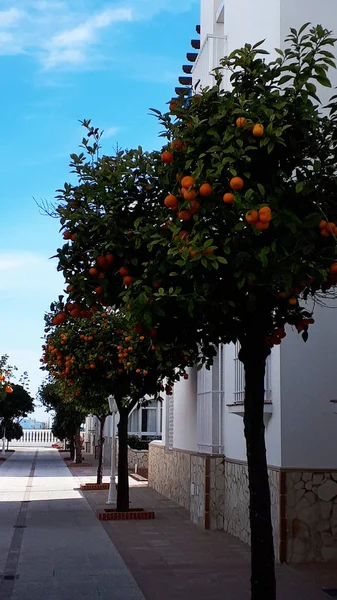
(62, 534)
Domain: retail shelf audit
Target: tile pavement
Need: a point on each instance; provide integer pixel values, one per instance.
(172, 559)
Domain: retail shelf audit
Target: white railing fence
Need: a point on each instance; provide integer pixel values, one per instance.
(36, 437)
(212, 51)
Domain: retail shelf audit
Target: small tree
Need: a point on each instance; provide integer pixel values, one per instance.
(101, 356)
(13, 430)
(67, 420)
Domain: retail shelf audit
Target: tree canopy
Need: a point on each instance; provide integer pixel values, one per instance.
(223, 235)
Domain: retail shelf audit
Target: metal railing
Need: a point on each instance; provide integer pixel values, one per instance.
(239, 378)
(212, 51)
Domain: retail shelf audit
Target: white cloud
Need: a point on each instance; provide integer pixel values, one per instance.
(110, 132)
(68, 34)
(10, 17)
(71, 46)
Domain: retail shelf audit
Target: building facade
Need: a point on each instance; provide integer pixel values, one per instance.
(201, 461)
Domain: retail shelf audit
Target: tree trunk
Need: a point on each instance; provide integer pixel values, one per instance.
(72, 448)
(123, 471)
(100, 455)
(7, 445)
(263, 585)
(78, 447)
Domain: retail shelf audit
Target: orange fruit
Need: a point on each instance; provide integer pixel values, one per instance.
(252, 217)
(325, 232)
(333, 268)
(187, 182)
(322, 225)
(228, 198)
(236, 183)
(173, 106)
(177, 145)
(128, 280)
(167, 157)
(171, 201)
(241, 122)
(102, 262)
(110, 258)
(74, 237)
(195, 207)
(265, 214)
(205, 190)
(93, 272)
(258, 130)
(184, 215)
(123, 271)
(292, 300)
(332, 228)
(261, 226)
(190, 195)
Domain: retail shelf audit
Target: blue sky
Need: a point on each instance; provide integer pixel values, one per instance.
(61, 61)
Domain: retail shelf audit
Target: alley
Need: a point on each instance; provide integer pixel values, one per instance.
(52, 547)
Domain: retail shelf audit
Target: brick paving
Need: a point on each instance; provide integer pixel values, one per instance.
(172, 559)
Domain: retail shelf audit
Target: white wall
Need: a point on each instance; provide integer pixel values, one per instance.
(233, 430)
(246, 21)
(309, 381)
(185, 413)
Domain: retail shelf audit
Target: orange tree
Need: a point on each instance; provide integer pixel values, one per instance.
(92, 358)
(68, 416)
(247, 183)
(258, 189)
(5, 375)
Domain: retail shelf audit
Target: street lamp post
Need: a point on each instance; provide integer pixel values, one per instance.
(112, 496)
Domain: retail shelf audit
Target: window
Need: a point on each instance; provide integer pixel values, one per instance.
(239, 378)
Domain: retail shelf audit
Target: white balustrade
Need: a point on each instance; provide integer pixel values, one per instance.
(212, 51)
(36, 437)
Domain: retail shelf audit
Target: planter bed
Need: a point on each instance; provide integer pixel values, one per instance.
(133, 514)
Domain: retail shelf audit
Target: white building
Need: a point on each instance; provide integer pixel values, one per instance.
(145, 422)
(201, 462)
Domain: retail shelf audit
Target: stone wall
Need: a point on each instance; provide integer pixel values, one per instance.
(236, 508)
(197, 499)
(170, 473)
(217, 493)
(311, 516)
(139, 458)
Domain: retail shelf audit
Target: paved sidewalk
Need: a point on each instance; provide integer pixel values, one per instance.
(52, 547)
(172, 559)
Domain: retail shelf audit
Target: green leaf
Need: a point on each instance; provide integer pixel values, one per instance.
(221, 259)
(299, 186)
(323, 81)
(261, 189)
(312, 220)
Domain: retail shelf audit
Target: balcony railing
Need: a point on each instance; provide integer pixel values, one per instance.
(239, 379)
(212, 51)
